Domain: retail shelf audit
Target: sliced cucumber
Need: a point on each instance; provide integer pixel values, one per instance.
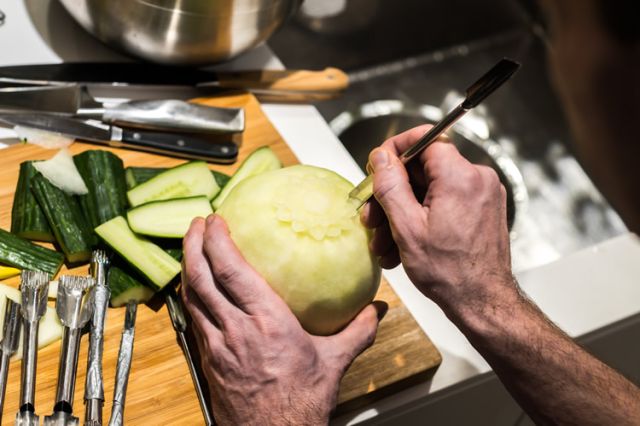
(23, 254)
(168, 218)
(27, 218)
(261, 160)
(73, 233)
(156, 265)
(103, 173)
(187, 180)
(124, 287)
(139, 175)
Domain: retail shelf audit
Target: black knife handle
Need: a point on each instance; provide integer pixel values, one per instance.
(179, 145)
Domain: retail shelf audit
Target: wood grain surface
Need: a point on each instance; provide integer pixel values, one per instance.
(160, 388)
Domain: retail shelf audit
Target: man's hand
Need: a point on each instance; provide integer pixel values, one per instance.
(261, 366)
(444, 218)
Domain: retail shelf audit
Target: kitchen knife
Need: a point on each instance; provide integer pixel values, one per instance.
(168, 114)
(176, 145)
(288, 84)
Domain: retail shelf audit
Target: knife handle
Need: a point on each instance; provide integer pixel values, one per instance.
(326, 80)
(178, 145)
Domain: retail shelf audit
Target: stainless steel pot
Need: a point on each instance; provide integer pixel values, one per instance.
(182, 31)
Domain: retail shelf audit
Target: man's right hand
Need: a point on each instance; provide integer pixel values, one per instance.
(444, 218)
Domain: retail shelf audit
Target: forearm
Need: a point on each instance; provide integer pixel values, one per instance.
(553, 378)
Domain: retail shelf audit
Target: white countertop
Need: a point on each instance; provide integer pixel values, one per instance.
(581, 293)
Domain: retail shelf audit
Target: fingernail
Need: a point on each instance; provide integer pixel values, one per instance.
(382, 308)
(210, 219)
(379, 159)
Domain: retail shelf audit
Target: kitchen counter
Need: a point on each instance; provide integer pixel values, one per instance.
(582, 293)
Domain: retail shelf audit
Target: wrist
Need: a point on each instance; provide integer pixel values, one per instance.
(487, 308)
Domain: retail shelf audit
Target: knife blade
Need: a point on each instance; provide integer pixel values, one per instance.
(329, 81)
(160, 114)
(178, 145)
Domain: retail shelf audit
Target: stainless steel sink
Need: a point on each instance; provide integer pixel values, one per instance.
(561, 211)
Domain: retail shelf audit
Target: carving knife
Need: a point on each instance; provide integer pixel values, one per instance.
(476, 93)
(177, 145)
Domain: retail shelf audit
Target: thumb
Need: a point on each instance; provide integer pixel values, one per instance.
(360, 333)
(392, 188)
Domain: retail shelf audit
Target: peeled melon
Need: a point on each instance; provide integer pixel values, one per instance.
(298, 229)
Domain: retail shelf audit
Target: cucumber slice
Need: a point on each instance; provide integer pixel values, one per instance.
(73, 233)
(187, 180)
(155, 265)
(261, 160)
(139, 175)
(27, 218)
(103, 173)
(124, 287)
(23, 254)
(168, 218)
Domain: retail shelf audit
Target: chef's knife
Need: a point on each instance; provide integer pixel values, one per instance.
(323, 84)
(167, 114)
(177, 145)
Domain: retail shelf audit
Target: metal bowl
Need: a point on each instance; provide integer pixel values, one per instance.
(182, 32)
(367, 126)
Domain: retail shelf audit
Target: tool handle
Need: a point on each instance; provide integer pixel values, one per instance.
(177, 145)
(177, 116)
(327, 80)
(68, 366)
(197, 383)
(4, 373)
(125, 356)
(29, 365)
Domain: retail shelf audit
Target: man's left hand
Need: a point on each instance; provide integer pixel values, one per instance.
(261, 366)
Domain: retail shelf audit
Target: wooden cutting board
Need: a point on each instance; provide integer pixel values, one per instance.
(160, 388)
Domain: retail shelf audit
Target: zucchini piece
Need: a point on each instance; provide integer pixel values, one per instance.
(65, 218)
(168, 218)
(103, 173)
(27, 218)
(261, 160)
(155, 265)
(186, 180)
(23, 254)
(137, 175)
(125, 287)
